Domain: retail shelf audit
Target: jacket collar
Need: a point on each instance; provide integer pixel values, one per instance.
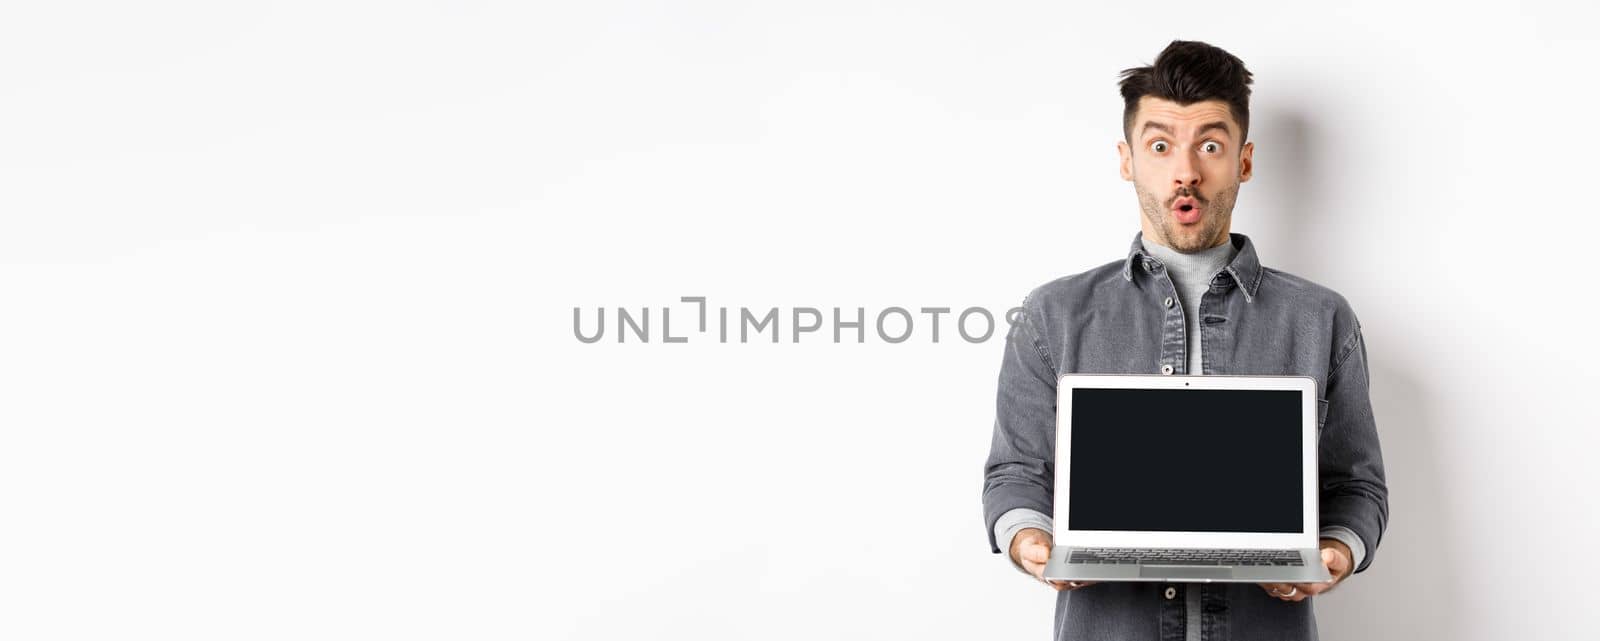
(1245, 267)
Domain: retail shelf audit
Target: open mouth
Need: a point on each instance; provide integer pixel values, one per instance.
(1186, 210)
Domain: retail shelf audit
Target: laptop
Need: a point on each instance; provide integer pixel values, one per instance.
(1186, 478)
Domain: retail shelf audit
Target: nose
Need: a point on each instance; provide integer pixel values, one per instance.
(1186, 171)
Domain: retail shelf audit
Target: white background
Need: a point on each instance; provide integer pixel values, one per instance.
(286, 297)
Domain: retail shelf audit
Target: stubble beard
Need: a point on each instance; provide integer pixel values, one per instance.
(1217, 209)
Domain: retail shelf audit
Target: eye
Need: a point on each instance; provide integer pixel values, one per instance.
(1211, 147)
(1159, 146)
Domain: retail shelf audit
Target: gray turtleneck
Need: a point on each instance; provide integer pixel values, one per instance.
(1191, 275)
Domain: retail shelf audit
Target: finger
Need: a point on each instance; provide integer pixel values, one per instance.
(1036, 552)
(1289, 592)
(1312, 589)
(1339, 566)
(1284, 591)
(1334, 561)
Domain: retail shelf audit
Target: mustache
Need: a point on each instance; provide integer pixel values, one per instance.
(1187, 193)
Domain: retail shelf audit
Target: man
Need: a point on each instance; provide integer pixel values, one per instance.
(1190, 297)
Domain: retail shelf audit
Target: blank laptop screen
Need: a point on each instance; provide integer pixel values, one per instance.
(1181, 460)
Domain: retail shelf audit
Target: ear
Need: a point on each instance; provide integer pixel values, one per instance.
(1125, 160)
(1245, 163)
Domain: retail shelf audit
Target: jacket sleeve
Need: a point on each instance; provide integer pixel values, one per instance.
(1020, 471)
(1353, 492)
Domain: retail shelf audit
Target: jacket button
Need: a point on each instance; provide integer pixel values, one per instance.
(1171, 592)
(1166, 369)
(1167, 302)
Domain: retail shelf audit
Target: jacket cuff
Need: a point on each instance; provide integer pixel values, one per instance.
(1361, 516)
(1004, 497)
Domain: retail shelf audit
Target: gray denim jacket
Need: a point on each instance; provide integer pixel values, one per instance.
(1253, 320)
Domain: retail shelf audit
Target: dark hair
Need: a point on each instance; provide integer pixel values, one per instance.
(1187, 72)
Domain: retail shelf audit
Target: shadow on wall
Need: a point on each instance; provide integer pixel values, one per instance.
(1412, 589)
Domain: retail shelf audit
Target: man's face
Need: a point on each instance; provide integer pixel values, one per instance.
(1185, 156)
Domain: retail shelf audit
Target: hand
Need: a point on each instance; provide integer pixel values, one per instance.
(1335, 556)
(1031, 549)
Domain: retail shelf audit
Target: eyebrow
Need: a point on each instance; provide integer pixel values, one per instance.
(1151, 124)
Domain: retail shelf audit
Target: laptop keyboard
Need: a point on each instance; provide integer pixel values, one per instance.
(1144, 556)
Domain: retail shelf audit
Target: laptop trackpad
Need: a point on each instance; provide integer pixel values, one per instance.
(1183, 572)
